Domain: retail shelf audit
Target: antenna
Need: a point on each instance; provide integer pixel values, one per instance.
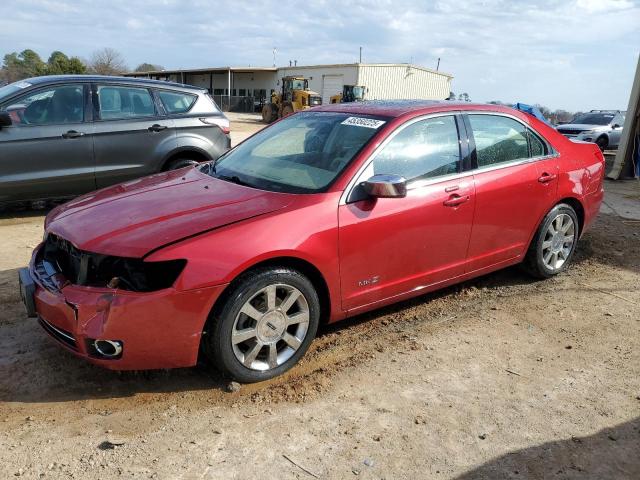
(438, 66)
(275, 50)
(360, 55)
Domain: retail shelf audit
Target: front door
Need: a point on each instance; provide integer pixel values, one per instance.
(390, 246)
(516, 182)
(48, 150)
(131, 138)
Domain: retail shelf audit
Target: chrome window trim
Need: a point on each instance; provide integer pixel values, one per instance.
(430, 181)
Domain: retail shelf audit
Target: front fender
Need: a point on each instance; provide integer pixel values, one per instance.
(307, 230)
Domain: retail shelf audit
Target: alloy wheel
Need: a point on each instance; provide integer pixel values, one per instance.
(558, 241)
(270, 327)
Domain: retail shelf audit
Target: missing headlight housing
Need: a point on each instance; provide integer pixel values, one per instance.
(97, 270)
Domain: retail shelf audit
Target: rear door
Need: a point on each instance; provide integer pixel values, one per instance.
(199, 123)
(516, 179)
(48, 151)
(389, 246)
(131, 136)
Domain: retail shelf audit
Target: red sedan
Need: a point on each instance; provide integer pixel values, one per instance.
(325, 214)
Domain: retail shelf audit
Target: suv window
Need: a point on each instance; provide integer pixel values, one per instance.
(425, 149)
(498, 139)
(117, 102)
(51, 106)
(176, 102)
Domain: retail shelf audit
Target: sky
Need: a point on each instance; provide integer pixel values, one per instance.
(568, 54)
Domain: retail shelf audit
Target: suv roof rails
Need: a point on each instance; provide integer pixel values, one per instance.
(605, 111)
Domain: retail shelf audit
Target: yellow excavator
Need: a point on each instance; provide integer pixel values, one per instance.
(295, 96)
(350, 93)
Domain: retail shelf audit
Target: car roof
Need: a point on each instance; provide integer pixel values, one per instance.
(106, 78)
(397, 108)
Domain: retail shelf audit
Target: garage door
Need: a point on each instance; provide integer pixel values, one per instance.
(331, 84)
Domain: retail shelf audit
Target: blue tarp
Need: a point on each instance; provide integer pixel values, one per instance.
(531, 110)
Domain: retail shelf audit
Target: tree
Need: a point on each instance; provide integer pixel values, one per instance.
(464, 97)
(107, 61)
(149, 67)
(25, 64)
(59, 64)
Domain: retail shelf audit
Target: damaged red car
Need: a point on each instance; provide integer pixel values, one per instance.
(323, 215)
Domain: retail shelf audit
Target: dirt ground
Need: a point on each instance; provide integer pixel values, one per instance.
(501, 377)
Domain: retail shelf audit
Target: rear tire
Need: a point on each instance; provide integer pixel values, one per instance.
(554, 243)
(180, 163)
(264, 324)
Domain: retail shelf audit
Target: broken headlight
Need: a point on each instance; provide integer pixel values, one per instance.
(96, 270)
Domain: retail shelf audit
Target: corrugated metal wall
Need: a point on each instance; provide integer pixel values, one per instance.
(394, 82)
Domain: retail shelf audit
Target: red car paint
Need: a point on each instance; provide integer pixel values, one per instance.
(367, 254)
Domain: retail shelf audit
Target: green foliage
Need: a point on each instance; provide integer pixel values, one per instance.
(17, 66)
(149, 67)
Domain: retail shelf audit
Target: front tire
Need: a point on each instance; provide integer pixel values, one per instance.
(264, 325)
(554, 243)
(603, 143)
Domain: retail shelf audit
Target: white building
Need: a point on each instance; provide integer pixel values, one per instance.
(241, 86)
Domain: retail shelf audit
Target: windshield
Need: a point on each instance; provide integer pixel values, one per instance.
(12, 88)
(358, 93)
(303, 153)
(297, 84)
(594, 118)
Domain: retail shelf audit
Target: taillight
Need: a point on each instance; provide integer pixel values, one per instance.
(222, 124)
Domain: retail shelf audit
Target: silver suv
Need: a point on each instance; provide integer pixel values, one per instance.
(62, 136)
(603, 127)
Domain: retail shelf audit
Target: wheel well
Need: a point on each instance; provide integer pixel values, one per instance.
(302, 266)
(579, 209)
(185, 154)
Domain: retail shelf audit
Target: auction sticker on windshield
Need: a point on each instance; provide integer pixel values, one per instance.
(363, 122)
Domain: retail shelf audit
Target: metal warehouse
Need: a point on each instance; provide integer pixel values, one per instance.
(247, 88)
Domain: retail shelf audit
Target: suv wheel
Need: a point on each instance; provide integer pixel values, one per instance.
(554, 243)
(180, 163)
(602, 143)
(264, 326)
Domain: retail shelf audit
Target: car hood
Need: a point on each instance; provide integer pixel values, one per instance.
(135, 218)
(581, 126)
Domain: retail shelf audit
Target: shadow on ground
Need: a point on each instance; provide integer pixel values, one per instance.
(611, 453)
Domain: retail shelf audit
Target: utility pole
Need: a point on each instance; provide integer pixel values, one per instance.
(360, 55)
(274, 56)
(438, 66)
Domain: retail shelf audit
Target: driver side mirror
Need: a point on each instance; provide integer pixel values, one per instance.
(386, 186)
(615, 125)
(5, 119)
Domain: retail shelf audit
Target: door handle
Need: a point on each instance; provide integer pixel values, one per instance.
(547, 177)
(455, 200)
(72, 134)
(157, 128)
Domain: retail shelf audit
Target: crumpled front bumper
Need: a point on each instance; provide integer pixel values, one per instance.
(160, 329)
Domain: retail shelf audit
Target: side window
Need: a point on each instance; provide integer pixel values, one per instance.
(52, 106)
(116, 102)
(498, 139)
(176, 102)
(618, 120)
(425, 149)
(537, 146)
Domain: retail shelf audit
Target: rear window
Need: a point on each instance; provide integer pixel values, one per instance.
(176, 102)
